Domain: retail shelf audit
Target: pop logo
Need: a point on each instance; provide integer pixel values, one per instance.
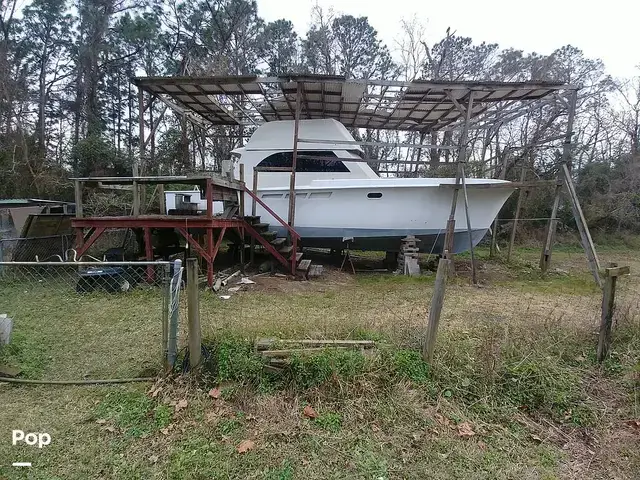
(31, 439)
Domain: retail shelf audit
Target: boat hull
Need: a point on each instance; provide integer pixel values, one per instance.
(431, 241)
(378, 217)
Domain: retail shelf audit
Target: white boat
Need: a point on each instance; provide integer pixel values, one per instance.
(339, 201)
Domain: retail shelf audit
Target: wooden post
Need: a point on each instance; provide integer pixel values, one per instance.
(547, 249)
(252, 248)
(136, 199)
(193, 312)
(494, 230)
(242, 191)
(585, 236)
(161, 199)
(435, 309)
(78, 191)
(138, 163)
(545, 257)
(521, 196)
(462, 157)
(294, 158)
(608, 305)
(474, 277)
(241, 230)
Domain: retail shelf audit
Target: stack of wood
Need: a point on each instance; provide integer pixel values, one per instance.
(408, 256)
(277, 353)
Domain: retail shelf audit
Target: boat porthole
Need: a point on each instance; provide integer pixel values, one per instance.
(374, 195)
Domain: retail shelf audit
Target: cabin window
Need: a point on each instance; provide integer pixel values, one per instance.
(374, 195)
(285, 159)
(320, 195)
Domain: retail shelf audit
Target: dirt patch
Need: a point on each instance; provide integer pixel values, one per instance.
(331, 279)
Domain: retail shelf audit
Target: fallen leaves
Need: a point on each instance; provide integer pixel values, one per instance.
(181, 405)
(634, 424)
(465, 430)
(309, 412)
(245, 446)
(442, 420)
(215, 393)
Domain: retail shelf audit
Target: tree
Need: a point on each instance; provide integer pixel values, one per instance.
(279, 47)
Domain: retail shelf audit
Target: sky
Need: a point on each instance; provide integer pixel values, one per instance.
(604, 30)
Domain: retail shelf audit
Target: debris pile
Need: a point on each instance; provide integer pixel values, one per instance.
(277, 353)
(408, 256)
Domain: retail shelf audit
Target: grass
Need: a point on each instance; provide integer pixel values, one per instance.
(514, 390)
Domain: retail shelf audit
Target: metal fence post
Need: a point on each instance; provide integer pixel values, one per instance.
(166, 307)
(174, 309)
(193, 304)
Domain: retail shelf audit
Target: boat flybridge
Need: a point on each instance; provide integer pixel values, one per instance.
(340, 201)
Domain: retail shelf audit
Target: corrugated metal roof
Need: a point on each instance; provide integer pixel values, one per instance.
(414, 106)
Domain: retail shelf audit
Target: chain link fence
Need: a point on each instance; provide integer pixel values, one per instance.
(90, 320)
(51, 247)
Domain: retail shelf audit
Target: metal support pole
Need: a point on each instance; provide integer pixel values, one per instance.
(193, 312)
(462, 157)
(166, 307)
(174, 310)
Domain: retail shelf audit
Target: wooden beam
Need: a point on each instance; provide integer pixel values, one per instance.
(435, 309)
(376, 144)
(78, 184)
(462, 156)
(521, 197)
(583, 229)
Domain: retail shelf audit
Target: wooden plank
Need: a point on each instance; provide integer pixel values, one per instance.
(9, 372)
(297, 351)
(267, 343)
(304, 265)
(278, 241)
(435, 310)
(617, 271)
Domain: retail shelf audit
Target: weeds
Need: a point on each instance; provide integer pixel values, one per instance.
(133, 412)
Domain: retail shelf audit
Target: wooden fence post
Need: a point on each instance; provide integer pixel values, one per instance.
(435, 310)
(193, 312)
(608, 303)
